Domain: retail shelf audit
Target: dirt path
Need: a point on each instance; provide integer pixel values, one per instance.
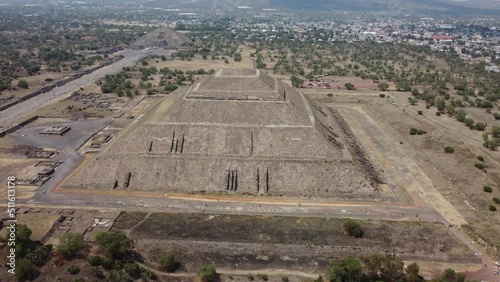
(387, 152)
(135, 226)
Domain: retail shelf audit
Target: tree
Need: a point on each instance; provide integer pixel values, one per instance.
(207, 273)
(451, 276)
(23, 84)
(449, 150)
(70, 245)
(353, 228)
(25, 270)
(115, 244)
(412, 273)
(170, 87)
(390, 268)
(237, 57)
(296, 82)
(349, 86)
(168, 262)
(40, 255)
(133, 269)
(383, 86)
(347, 269)
(23, 241)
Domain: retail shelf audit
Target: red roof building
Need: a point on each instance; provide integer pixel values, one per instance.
(441, 37)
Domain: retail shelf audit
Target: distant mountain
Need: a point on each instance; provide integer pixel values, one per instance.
(426, 6)
(436, 6)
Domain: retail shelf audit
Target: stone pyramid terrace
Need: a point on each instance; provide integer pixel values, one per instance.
(237, 132)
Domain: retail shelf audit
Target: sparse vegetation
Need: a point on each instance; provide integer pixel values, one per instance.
(416, 131)
(449, 150)
(353, 228)
(207, 273)
(73, 270)
(22, 84)
(168, 262)
(479, 165)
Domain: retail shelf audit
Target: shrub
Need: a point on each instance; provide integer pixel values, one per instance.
(284, 279)
(449, 150)
(78, 279)
(97, 272)
(207, 273)
(481, 158)
(421, 132)
(413, 131)
(382, 95)
(148, 274)
(23, 84)
(168, 262)
(479, 165)
(420, 113)
(94, 260)
(263, 277)
(438, 114)
(353, 228)
(487, 189)
(133, 269)
(250, 277)
(493, 208)
(329, 94)
(496, 200)
(73, 270)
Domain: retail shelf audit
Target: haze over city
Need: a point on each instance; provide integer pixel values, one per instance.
(238, 140)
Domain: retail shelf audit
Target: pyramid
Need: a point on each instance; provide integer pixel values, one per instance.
(161, 38)
(238, 132)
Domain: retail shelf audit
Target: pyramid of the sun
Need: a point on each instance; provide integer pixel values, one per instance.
(239, 131)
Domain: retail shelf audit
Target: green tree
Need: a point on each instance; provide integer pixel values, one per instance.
(449, 150)
(412, 273)
(383, 86)
(23, 84)
(450, 276)
(296, 82)
(25, 270)
(70, 245)
(115, 244)
(207, 273)
(23, 241)
(349, 86)
(347, 269)
(168, 262)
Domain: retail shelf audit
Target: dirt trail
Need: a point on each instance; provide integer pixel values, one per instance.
(386, 151)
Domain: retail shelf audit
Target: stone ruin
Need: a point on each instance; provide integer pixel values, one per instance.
(237, 132)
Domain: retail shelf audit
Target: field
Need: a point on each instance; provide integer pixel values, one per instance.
(452, 175)
(303, 244)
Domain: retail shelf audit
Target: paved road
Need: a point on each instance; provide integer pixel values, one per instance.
(30, 106)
